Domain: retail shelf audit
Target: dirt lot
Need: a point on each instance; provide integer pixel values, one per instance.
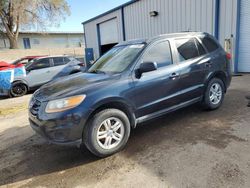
(188, 148)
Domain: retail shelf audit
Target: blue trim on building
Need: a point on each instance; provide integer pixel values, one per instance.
(123, 25)
(236, 58)
(110, 11)
(98, 38)
(107, 20)
(217, 19)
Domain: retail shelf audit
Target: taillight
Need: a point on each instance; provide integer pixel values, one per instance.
(82, 64)
(229, 56)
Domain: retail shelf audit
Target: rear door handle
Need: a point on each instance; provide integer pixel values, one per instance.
(208, 64)
(174, 75)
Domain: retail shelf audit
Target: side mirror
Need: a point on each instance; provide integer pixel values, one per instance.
(28, 69)
(146, 67)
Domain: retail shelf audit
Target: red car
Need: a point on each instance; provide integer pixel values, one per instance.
(4, 65)
(26, 59)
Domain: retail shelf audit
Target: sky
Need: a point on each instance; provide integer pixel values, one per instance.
(82, 10)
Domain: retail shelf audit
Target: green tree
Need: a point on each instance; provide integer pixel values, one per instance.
(16, 14)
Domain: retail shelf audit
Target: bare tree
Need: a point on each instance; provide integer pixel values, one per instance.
(16, 14)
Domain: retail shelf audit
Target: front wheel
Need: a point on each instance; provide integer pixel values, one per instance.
(214, 94)
(18, 90)
(107, 132)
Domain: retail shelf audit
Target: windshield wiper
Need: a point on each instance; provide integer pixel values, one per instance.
(98, 72)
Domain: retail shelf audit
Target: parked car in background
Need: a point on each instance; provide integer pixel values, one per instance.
(81, 59)
(42, 70)
(26, 59)
(3, 65)
(132, 83)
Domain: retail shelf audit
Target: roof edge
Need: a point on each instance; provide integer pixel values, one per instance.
(110, 11)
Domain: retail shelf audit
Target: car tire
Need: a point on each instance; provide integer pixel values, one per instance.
(214, 94)
(18, 89)
(107, 132)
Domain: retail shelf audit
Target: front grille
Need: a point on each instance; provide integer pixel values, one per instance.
(35, 107)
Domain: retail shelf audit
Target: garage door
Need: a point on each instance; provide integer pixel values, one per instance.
(108, 35)
(109, 32)
(244, 40)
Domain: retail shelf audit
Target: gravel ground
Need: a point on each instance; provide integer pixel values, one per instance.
(187, 148)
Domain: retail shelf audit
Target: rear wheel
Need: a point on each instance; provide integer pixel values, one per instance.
(18, 90)
(214, 94)
(107, 132)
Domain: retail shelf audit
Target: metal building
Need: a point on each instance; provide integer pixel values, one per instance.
(228, 20)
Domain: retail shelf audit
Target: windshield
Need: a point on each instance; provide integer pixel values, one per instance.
(117, 59)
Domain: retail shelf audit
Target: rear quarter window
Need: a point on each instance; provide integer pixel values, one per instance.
(67, 60)
(58, 61)
(209, 43)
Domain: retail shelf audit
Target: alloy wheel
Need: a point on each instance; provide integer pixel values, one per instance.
(215, 93)
(18, 90)
(110, 133)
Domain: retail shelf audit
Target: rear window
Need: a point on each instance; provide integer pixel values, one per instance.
(210, 44)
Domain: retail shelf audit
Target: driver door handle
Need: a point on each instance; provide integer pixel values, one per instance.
(174, 75)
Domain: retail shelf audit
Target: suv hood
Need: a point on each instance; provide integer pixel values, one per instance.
(71, 85)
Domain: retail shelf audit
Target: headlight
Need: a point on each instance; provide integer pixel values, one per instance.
(60, 105)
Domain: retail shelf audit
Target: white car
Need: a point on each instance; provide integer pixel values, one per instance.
(42, 70)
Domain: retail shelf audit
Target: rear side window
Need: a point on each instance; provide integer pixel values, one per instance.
(186, 48)
(210, 44)
(58, 61)
(159, 53)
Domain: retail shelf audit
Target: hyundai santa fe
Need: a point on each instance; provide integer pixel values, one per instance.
(132, 83)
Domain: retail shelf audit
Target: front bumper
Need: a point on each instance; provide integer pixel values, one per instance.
(60, 128)
(4, 92)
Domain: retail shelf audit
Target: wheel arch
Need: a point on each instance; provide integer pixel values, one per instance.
(219, 74)
(116, 103)
(21, 82)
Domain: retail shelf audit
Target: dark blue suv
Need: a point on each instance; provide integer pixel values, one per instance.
(133, 82)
